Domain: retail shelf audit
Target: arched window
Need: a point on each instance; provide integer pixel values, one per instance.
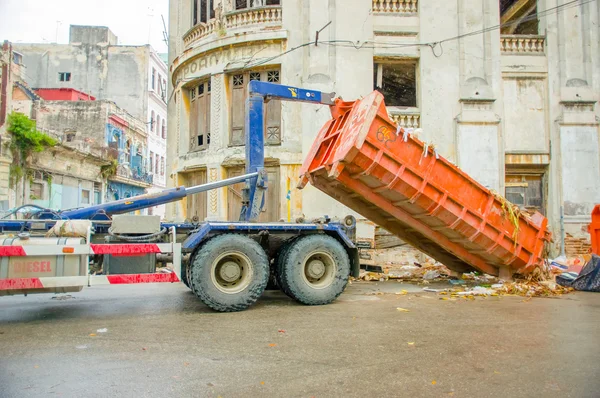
(164, 129)
(158, 125)
(152, 116)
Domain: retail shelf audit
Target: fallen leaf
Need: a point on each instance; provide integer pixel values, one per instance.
(92, 334)
(186, 364)
(411, 343)
(451, 393)
(434, 382)
(496, 372)
(402, 309)
(210, 384)
(143, 348)
(273, 345)
(36, 366)
(281, 331)
(262, 383)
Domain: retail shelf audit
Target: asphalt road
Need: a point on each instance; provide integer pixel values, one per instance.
(160, 341)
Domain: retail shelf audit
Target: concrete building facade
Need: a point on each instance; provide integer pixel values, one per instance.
(507, 90)
(133, 77)
(101, 153)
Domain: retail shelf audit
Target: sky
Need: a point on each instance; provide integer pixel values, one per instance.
(134, 22)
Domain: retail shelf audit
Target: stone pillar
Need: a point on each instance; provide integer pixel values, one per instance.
(572, 45)
(480, 151)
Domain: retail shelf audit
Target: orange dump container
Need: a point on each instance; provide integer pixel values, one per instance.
(361, 159)
(594, 230)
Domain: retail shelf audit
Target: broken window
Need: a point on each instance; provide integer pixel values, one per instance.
(518, 17)
(64, 76)
(36, 191)
(70, 136)
(203, 11)
(200, 116)
(526, 191)
(17, 58)
(272, 117)
(397, 81)
(85, 196)
(97, 193)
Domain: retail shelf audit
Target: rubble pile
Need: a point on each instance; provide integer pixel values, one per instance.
(429, 271)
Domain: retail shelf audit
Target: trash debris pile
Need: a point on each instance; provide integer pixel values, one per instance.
(530, 287)
(429, 271)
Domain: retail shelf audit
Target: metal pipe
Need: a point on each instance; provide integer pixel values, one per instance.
(562, 231)
(219, 184)
(148, 200)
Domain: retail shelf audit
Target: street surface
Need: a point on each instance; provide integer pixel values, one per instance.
(160, 341)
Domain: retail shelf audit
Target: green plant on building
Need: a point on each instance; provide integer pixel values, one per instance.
(109, 170)
(25, 139)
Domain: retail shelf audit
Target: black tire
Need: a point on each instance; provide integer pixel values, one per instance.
(232, 294)
(308, 289)
(279, 262)
(184, 275)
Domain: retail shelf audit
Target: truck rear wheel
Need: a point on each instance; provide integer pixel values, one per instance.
(229, 272)
(279, 267)
(315, 270)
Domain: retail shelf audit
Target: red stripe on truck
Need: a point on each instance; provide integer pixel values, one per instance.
(20, 283)
(142, 278)
(9, 251)
(126, 249)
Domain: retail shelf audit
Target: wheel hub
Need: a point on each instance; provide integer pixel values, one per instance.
(315, 269)
(230, 271)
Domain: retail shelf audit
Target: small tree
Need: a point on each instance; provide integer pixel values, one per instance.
(25, 139)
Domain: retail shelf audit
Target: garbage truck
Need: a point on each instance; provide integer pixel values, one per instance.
(360, 158)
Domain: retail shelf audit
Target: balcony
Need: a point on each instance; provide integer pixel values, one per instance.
(135, 174)
(269, 16)
(522, 44)
(405, 119)
(395, 6)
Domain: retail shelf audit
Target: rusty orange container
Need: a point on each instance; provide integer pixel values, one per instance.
(364, 161)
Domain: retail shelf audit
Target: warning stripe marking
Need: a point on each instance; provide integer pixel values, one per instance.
(126, 249)
(141, 278)
(20, 283)
(9, 251)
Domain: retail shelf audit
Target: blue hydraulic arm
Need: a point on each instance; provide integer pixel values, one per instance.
(259, 93)
(105, 210)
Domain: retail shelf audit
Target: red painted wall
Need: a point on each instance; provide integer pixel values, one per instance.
(63, 94)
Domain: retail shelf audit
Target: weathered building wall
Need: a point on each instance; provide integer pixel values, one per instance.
(134, 77)
(116, 73)
(64, 178)
(78, 124)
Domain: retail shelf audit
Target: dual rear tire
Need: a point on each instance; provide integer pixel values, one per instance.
(230, 272)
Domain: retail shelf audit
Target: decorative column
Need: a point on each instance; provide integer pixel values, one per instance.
(479, 149)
